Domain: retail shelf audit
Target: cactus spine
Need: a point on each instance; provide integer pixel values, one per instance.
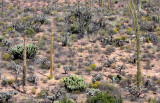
(51, 51)
(136, 29)
(24, 65)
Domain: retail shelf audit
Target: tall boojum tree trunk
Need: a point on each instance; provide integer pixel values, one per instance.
(51, 51)
(24, 64)
(136, 29)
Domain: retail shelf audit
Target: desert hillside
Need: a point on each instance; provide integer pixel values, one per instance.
(79, 51)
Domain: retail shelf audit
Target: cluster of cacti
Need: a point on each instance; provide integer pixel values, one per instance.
(17, 51)
(120, 68)
(33, 79)
(112, 41)
(92, 91)
(97, 77)
(74, 82)
(109, 62)
(134, 91)
(67, 68)
(20, 26)
(153, 38)
(5, 96)
(40, 18)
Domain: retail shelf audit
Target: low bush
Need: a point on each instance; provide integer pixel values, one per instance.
(101, 98)
(6, 56)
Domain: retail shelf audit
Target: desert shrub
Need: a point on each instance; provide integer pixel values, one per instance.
(88, 70)
(6, 56)
(93, 66)
(94, 85)
(101, 98)
(109, 50)
(74, 82)
(129, 31)
(29, 31)
(65, 100)
(40, 19)
(10, 81)
(97, 77)
(17, 51)
(68, 68)
(150, 100)
(111, 89)
(33, 90)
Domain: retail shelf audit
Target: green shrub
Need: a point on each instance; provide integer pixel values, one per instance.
(6, 56)
(101, 98)
(29, 31)
(65, 100)
(74, 82)
(88, 69)
(94, 85)
(93, 66)
(17, 51)
(10, 81)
